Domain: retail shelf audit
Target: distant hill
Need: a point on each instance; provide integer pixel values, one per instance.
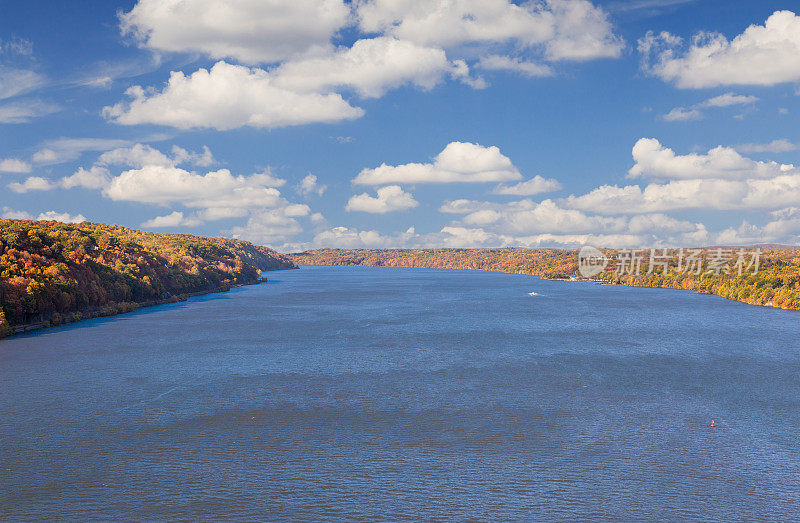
(776, 283)
(52, 273)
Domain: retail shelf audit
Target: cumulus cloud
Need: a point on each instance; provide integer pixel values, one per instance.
(64, 149)
(14, 165)
(775, 146)
(535, 185)
(168, 185)
(174, 219)
(351, 238)
(32, 183)
(722, 179)
(766, 54)
(309, 186)
(527, 217)
(528, 223)
(251, 31)
(564, 29)
(458, 162)
(784, 227)
(370, 67)
(96, 177)
(99, 177)
(460, 236)
(139, 155)
(226, 97)
(391, 198)
(654, 160)
(405, 44)
(710, 194)
(11, 214)
(61, 217)
(269, 227)
(514, 64)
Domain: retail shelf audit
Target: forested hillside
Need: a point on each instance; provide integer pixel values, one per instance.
(52, 272)
(770, 278)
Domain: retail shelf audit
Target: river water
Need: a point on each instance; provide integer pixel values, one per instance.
(385, 394)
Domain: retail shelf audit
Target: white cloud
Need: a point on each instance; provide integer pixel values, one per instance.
(681, 114)
(775, 146)
(226, 97)
(370, 67)
(16, 46)
(766, 54)
(96, 177)
(25, 111)
(270, 227)
(389, 199)
(174, 219)
(267, 179)
(33, 183)
(506, 63)
(527, 217)
(582, 32)
(200, 159)
(349, 238)
(783, 228)
(719, 180)
(528, 223)
(464, 236)
(251, 31)
(653, 160)
(564, 29)
(14, 165)
(139, 155)
(61, 217)
(218, 189)
(11, 214)
(14, 82)
(65, 149)
(458, 162)
(405, 45)
(535, 185)
(729, 99)
(309, 186)
(710, 194)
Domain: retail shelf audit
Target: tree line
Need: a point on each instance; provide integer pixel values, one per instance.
(52, 272)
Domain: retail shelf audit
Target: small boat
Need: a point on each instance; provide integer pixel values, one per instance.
(533, 294)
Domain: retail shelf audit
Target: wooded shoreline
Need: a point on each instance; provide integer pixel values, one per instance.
(775, 283)
(53, 273)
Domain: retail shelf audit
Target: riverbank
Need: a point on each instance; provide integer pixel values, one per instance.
(775, 281)
(117, 309)
(53, 273)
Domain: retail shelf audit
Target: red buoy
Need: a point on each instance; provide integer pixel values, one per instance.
(712, 423)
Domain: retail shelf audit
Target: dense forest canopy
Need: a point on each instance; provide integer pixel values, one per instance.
(770, 275)
(55, 272)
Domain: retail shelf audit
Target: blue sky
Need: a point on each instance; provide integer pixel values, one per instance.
(398, 123)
